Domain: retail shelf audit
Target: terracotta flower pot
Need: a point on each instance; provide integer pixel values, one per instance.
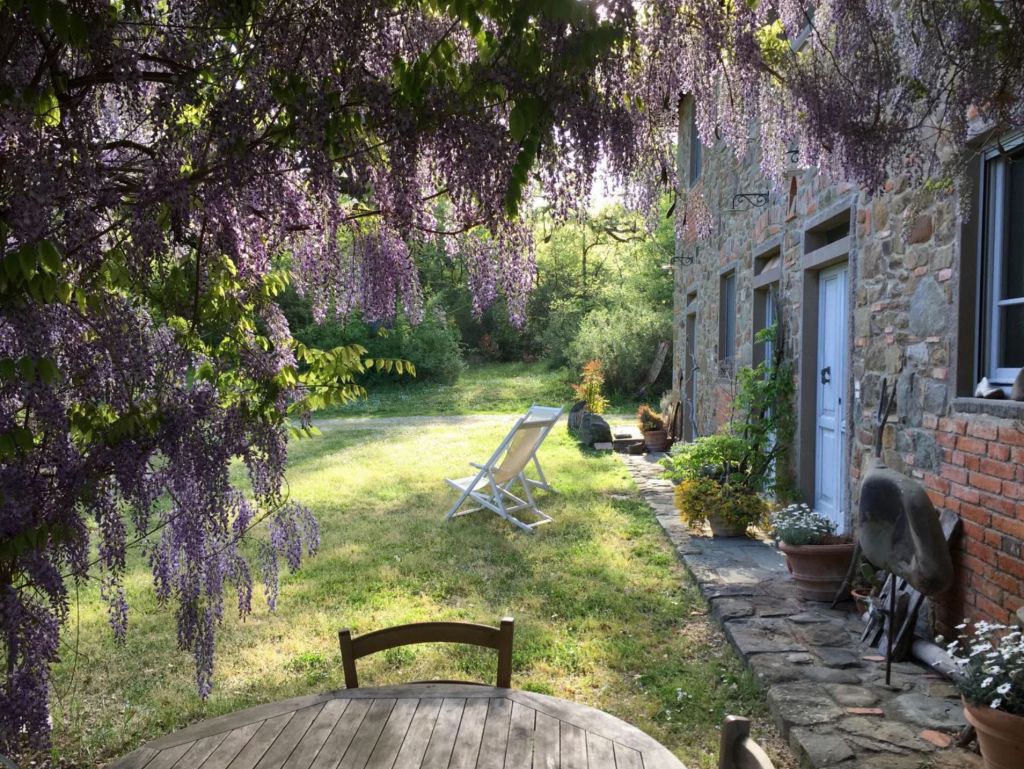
(862, 598)
(818, 570)
(1000, 735)
(723, 528)
(656, 440)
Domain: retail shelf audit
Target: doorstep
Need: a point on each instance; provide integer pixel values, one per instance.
(825, 688)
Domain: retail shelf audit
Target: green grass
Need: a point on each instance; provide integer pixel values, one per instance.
(604, 613)
(483, 388)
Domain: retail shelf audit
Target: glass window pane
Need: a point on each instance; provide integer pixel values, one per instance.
(1011, 347)
(1013, 267)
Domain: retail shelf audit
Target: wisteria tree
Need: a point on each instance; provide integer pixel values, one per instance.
(166, 167)
(161, 165)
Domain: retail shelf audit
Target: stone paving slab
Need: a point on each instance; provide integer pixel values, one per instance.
(827, 700)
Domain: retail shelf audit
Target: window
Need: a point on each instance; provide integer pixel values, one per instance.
(727, 318)
(696, 149)
(1002, 323)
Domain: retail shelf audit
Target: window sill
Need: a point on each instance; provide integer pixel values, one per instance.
(1004, 409)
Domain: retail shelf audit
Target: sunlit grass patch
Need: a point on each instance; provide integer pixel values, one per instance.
(604, 614)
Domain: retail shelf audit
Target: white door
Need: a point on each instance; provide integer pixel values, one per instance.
(830, 464)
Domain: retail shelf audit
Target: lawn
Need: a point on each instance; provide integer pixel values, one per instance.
(604, 613)
(483, 388)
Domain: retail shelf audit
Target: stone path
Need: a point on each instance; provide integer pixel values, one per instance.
(827, 699)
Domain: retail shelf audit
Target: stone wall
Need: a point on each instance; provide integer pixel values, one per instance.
(911, 313)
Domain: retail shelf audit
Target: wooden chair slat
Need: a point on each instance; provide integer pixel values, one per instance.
(498, 638)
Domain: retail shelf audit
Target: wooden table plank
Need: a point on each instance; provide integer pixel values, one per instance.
(289, 738)
(572, 746)
(137, 759)
(546, 742)
(424, 726)
(519, 754)
(495, 740)
(471, 732)
(627, 758)
(254, 749)
(418, 736)
(391, 739)
(303, 755)
(600, 752)
(201, 750)
(169, 756)
(367, 735)
(341, 737)
(231, 745)
(442, 741)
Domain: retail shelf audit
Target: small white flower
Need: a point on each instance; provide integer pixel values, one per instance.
(987, 682)
(1003, 688)
(996, 703)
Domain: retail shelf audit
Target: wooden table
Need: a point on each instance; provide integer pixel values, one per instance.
(430, 726)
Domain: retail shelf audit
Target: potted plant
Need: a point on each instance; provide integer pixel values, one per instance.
(817, 558)
(866, 585)
(653, 428)
(585, 420)
(715, 484)
(991, 680)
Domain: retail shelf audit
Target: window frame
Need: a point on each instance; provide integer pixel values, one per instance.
(727, 317)
(995, 219)
(696, 149)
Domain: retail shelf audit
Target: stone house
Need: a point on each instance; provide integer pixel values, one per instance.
(866, 288)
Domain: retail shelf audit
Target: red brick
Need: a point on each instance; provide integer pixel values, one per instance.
(1011, 435)
(957, 458)
(972, 445)
(954, 475)
(986, 482)
(1017, 455)
(991, 609)
(985, 430)
(998, 451)
(937, 497)
(1011, 565)
(972, 462)
(958, 426)
(992, 538)
(1012, 526)
(945, 439)
(965, 493)
(935, 483)
(1013, 490)
(1003, 470)
(976, 515)
(1006, 582)
(997, 504)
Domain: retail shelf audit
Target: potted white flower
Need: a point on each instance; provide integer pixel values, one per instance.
(991, 679)
(816, 556)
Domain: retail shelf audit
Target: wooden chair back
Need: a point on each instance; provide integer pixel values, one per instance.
(499, 638)
(737, 750)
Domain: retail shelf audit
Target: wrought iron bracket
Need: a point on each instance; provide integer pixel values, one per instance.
(752, 200)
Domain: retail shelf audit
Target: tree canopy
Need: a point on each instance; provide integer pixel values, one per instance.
(166, 168)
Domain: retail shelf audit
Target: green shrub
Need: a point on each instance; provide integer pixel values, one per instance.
(433, 345)
(625, 338)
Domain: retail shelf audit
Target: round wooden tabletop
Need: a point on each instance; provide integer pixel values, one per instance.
(427, 726)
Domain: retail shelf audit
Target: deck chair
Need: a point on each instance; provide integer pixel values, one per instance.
(499, 638)
(491, 487)
(737, 750)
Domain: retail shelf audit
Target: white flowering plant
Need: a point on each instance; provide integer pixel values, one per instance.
(991, 666)
(799, 525)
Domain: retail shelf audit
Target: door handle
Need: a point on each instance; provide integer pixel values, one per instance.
(826, 375)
